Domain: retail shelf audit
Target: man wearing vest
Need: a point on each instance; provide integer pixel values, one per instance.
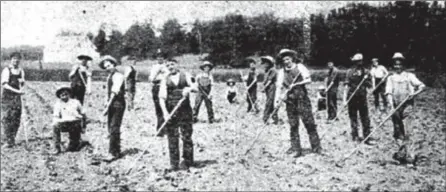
(115, 105)
(269, 88)
(157, 73)
(358, 103)
(205, 82)
(379, 73)
(80, 76)
(400, 86)
(175, 86)
(12, 81)
(298, 105)
(332, 83)
(251, 83)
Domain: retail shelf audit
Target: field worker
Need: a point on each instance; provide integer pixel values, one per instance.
(12, 80)
(298, 104)
(205, 82)
(251, 83)
(399, 86)
(332, 83)
(156, 74)
(130, 75)
(115, 106)
(231, 91)
(67, 117)
(269, 87)
(80, 77)
(379, 73)
(358, 103)
(175, 86)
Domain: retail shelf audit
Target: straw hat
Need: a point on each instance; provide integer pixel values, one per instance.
(84, 57)
(206, 63)
(268, 60)
(63, 89)
(357, 57)
(230, 81)
(107, 58)
(398, 55)
(286, 52)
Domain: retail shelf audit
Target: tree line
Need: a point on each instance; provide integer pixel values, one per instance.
(417, 29)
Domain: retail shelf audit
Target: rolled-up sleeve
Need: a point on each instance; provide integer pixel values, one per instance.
(5, 76)
(162, 94)
(304, 71)
(389, 86)
(118, 80)
(415, 81)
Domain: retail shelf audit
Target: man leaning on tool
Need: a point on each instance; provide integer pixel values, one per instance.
(402, 85)
(173, 88)
(358, 80)
(298, 104)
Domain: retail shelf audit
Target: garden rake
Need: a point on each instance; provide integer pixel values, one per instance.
(338, 163)
(159, 130)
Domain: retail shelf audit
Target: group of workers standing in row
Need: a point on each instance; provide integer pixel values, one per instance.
(171, 88)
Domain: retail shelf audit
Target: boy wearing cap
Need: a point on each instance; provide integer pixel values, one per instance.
(379, 73)
(231, 91)
(12, 80)
(115, 104)
(205, 82)
(157, 73)
(332, 83)
(294, 76)
(174, 87)
(358, 78)
(251, 82)
(399, 86)
(269, 87)
(80, 77)
(67, 117)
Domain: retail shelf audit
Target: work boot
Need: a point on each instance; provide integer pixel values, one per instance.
(370, 141)
(356, 139)
(7, 146)
(291, 150)
(298, 154)
(56, 150)
(211, 121)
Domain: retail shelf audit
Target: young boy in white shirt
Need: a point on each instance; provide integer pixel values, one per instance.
(231, 91)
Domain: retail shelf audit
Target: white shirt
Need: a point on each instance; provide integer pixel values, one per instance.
(157, 72)
(118, 80)
(406, 77)
(6, 73)
(378, 71)
(175, 79)
(67, 111)
(203, 74)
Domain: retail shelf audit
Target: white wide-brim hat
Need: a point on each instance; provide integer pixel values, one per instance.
(398, 55)
(357, 57)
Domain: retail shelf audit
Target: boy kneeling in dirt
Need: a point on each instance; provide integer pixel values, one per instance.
(67, 117)
(175, 87)
(400, 86)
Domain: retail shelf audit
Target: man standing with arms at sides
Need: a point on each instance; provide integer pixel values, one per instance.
(269, 87)
(332, 84)
(115, 107)
(12, 80)
(130, 74)
(358, 79)
(173, 88)
(400, 86)
(379, 73)
(157, 73)
(294, 76)
(205, 82)
(80, 76)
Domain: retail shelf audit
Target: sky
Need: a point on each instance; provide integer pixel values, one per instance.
(37, 22)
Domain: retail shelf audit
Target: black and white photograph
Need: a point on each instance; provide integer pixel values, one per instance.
(223, 96)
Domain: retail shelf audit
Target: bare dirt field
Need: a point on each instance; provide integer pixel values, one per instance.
(219, 150)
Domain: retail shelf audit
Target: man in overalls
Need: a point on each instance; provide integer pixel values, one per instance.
(175, 86)
(298, 105)
(332, 83)
(12, 80)
(157, 73)
(358, 103)
(269, 88)
(251, 83)
(115, 105)
(205, 82)
(400, 86)
(80, 76)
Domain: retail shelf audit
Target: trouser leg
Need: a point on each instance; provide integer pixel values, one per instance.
(332, 104)
(173, 143)
(158, 111)
(293, 118)
(74, 136)
(198, 101)
(79, 93)
(11, 117)
(56, 136)
(188, 145)
(248, 99)
(115, 116)
(364, 115)
(353, 115)
(310, 125)
(209, 109)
